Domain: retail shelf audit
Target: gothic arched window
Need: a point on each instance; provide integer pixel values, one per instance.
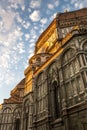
(73, 82)
(85, 53)
(41, 93)
(85, 46)
(17, 118)
(6, 119)
(26, 114)
(54, 91)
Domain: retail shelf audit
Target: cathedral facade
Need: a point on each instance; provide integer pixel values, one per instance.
(53, 94)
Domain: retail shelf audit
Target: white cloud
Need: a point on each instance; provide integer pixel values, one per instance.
(1, 78)
(13, 5)
(23, 23)
(53, 16)
(10, 52)
(50, 6)
(57, 2)
(1, 26)
(26, 25)
(36, 27)
(19, 19)
(30, 51)
(73, 1)
(7, 22)
(32, 45)
(41, 30)
(10, 77)
(35, 4)
(43, 20)
(27, 36)
(20, 47)
(33, 36)
(31, 40)
(18, 28)
(35, 16)
(21, 2)
(23, 7)
(29, 10)
(79, 3)
(4, 59)
(7, 76)
(16, 34)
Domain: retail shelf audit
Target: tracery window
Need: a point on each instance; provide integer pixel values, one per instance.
(26, 115)
(85, 46)
(54, 91)
(83, 59)
(85, 53)
(17, 118)
(41, 93)
(6, 119)
(73, 82)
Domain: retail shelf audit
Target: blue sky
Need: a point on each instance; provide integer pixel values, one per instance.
(21, 23)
